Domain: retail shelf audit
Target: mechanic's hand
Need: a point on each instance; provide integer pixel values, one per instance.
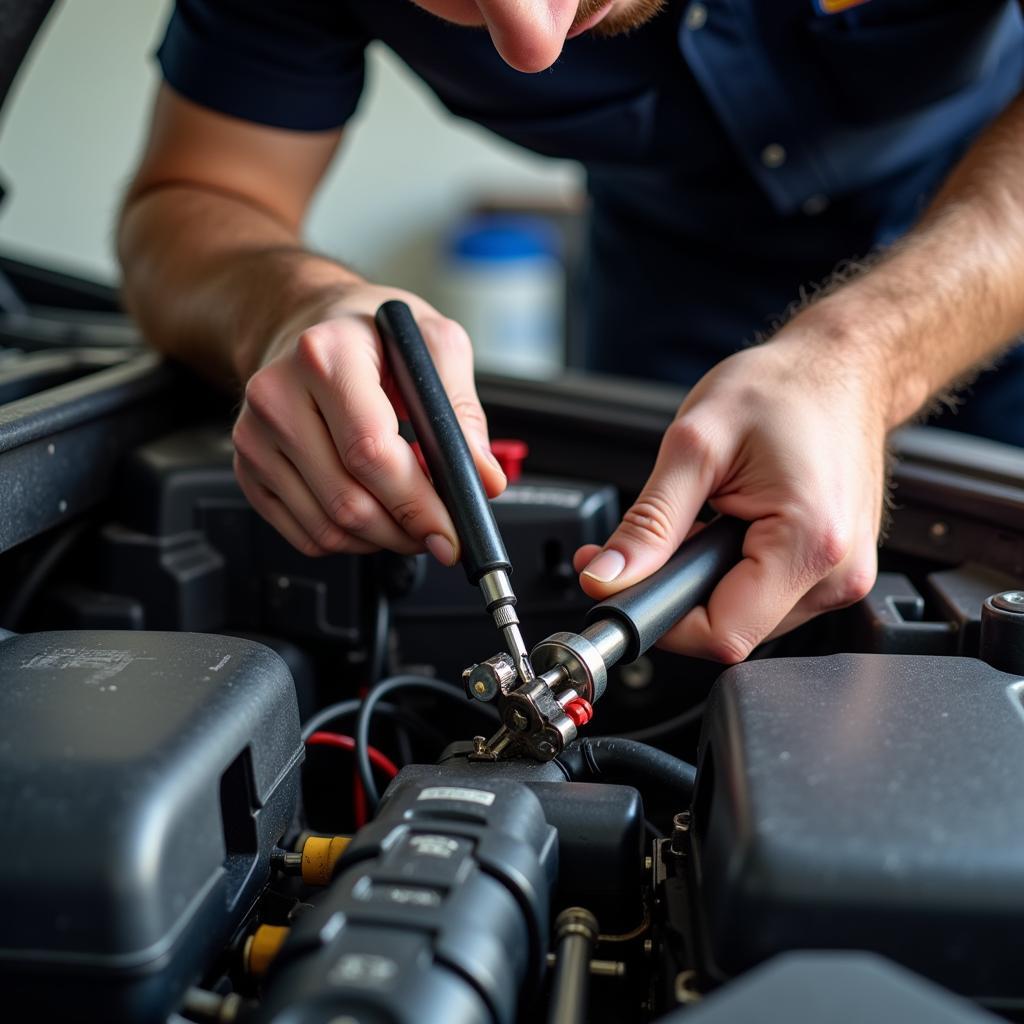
(317, 448)
(789, 440)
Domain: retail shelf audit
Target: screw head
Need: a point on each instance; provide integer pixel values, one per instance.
(518, 720)
(491, 677)
(1010, 601)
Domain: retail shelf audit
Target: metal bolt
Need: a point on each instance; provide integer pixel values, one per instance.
(545, 747)
(479, 745)
(680, 830)
(685, 990)
(773, 155)
(491, 677)
(696, 17)
(598, 968)
(519, 720)
(607, 968)
(648, 863)
(1010, 601)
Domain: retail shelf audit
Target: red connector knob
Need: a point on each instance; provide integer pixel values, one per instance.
(510, 454)
(580, 711)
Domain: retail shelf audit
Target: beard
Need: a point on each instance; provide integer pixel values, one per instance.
(632, 15)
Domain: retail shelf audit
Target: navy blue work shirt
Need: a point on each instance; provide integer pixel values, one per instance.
(735, 150)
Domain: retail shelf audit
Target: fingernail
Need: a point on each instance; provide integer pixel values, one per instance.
(441, 548)
(489, 456)
(606, 566)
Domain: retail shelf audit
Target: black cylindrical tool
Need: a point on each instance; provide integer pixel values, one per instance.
(650, 608)
(454, 473)
(442, 442)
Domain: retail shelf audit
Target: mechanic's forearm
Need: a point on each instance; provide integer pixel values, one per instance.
(950, 295)
(213, 279)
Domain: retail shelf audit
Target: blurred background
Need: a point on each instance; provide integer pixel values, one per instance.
(486, 231)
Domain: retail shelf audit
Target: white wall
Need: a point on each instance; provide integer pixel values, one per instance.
(73, 125)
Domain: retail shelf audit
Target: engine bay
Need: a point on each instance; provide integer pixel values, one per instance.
(833, 827)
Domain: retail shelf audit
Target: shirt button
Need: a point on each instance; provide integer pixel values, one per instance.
(773, 155)
(815, 204)
(696, 16)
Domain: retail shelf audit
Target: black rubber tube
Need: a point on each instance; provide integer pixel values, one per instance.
(614, 759)
(441, 440)
(372, 700)
(650, 608)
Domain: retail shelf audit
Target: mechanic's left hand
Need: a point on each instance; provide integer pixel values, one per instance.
(791, 438)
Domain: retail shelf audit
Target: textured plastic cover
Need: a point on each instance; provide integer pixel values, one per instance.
(866, 801)
(145, 778)
(837, 988)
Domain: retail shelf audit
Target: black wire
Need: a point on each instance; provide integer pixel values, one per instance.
(381, 633)
(33, 581)
(349, 707)
(671, 725)
(370, 703)
(328, 714)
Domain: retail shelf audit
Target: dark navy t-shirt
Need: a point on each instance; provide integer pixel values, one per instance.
(736, 150)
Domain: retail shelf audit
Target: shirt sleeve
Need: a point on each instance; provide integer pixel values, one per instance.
(295, 64)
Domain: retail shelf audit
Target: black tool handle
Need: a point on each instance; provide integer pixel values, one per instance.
(441, 441)
(650, 608)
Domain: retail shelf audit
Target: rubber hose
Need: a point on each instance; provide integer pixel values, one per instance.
(614, 759)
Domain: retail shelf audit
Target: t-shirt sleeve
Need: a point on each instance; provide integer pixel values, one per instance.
(286, 63)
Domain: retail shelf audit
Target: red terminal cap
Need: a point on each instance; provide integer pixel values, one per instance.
(510, 454)
(580, 711)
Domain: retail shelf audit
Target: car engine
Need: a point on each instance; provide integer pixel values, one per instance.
(244, 785)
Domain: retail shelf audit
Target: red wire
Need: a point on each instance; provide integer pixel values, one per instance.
(377, 759)
(335, 739)
(360, 812)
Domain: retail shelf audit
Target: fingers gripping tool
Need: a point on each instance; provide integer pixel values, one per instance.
(543, 696)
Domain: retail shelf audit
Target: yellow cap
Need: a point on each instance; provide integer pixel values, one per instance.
(262, 946)
(319, 855)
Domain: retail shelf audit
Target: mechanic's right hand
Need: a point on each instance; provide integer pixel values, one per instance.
(317, 448)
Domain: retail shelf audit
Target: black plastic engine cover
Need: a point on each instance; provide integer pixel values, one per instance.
(869, 802)
(145, 780)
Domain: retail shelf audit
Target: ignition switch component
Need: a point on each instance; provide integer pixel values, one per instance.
(542, 716)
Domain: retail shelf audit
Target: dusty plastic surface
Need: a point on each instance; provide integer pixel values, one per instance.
(146, 777)
(868, 802)
(840, 988)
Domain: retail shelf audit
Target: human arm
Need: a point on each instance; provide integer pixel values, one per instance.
(790, 435)
(216, 274)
